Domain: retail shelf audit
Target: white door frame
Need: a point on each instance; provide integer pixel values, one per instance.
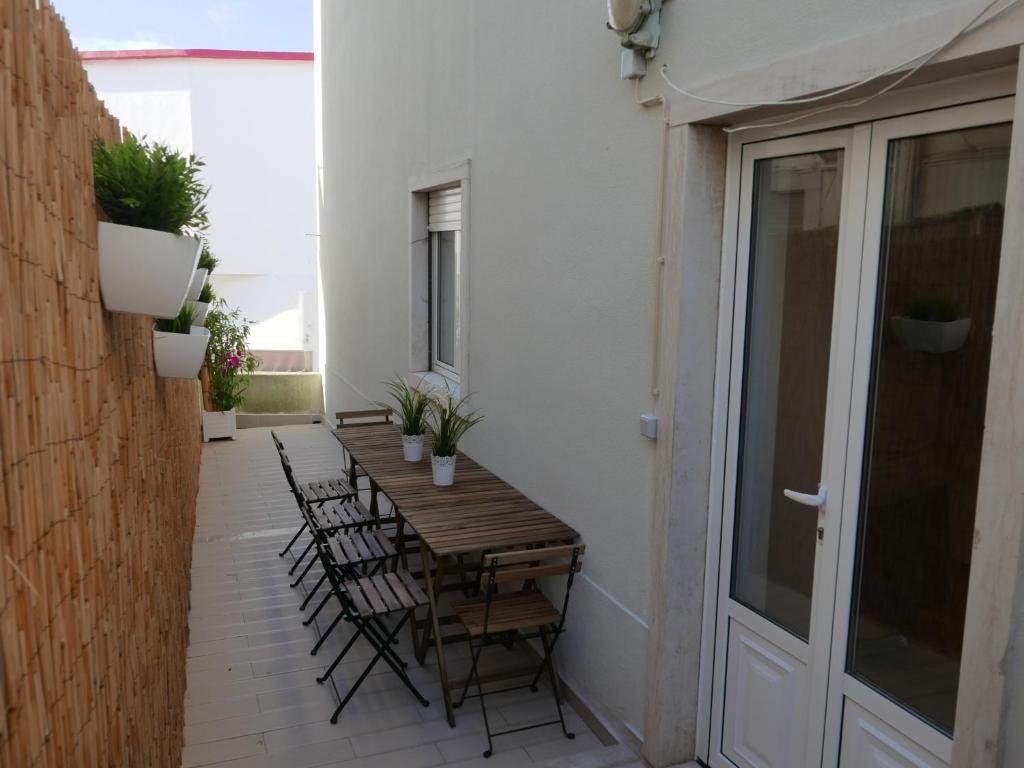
(991, 86)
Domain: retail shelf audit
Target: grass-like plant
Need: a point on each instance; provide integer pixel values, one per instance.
(942, 310)
(207, 294)
(207, 260)
(413, 404)
(150, 185)
(180, 324)
(228, 359)
(448, 423)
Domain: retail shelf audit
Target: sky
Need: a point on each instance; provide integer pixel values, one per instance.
(263, 25)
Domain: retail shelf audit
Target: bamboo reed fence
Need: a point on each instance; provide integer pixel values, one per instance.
(99, 457)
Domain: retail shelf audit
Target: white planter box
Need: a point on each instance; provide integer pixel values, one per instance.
(931, 335)
(218, 424)
(180, 355)
(443, 468)
(198, 281)
(143, 271)
(412, 447)
(200, 309)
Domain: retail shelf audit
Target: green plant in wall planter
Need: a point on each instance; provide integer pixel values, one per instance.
(155, 199)
(413, 403)
(207, 263)
(932, 325)
(179, 346)
(448, 424)
(230, 365)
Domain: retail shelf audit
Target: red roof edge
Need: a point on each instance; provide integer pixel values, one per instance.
(195, 53)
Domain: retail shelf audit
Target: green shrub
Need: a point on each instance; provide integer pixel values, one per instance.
(150, 185)
(942, 310)
(228, 359)
(207, 260)
(207, 294)
(180, 324)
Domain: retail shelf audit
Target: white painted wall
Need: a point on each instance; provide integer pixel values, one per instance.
(564, 190)
(252, 121)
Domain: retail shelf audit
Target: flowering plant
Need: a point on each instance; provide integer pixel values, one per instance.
(448, 422)
(228, 360)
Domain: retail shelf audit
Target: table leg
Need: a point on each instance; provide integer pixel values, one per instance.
(433, 584)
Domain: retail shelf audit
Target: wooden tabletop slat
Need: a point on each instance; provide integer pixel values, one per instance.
(479, 512)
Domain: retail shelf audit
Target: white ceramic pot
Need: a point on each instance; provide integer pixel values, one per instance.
(412, 447)
(444, 469)
(200, 309)
(931, 335)
(198, 281)
(143, 271)
(218, 424)
(180, 355)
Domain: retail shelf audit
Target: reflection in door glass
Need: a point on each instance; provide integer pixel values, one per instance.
(937, 284)
(793, 241)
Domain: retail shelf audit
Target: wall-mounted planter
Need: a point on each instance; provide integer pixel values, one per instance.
(198, 281)
(932, 336)
(218, 424)
(143, 271)
(180, 355)
(200, 309)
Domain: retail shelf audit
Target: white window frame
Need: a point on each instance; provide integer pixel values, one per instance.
(437, 365)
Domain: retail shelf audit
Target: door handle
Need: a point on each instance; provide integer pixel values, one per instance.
(809, 499)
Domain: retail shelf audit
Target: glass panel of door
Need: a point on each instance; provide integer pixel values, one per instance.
(792, 267)
(939, 258)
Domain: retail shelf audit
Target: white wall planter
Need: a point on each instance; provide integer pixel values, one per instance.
(180, 355)
(412, 447)
(143, 271)
(200, 309)
(931, 336)
(443, 468)
(217, 424)
(198, 281)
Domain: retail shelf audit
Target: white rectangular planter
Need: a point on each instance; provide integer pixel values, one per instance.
(198, 281)
(180, 355)
(200, 309)
(143, 271)
(219, 424)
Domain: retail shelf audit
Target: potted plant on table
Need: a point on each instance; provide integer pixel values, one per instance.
(932, 325)
(179, 345)
(449, 424)
(231, 366)
(413, 403)
(149, 249)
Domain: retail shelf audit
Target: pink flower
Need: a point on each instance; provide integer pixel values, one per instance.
(234, 361)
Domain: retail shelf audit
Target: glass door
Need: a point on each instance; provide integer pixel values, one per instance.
(937, 183)
(796, 255)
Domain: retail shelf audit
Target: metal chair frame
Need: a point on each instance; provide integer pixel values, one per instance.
(502, 568)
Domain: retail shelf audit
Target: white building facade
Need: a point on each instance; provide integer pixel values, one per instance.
(815, 562)
(249, 115)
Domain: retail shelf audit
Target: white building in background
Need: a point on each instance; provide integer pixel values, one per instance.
(815, 563)
(249, 115)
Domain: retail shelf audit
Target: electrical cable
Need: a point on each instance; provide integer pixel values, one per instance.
(922, 59)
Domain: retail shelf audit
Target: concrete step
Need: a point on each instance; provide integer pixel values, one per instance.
(615, 756)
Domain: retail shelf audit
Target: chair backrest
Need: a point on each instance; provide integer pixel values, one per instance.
(528, 565)
(363, 418)
(277, 441)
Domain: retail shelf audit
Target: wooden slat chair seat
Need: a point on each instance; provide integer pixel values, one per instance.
(519, 610)
(343, 515)
(361, 548)
(527, 612)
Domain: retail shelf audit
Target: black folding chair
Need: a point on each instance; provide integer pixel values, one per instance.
(366, 600)
(500, 617)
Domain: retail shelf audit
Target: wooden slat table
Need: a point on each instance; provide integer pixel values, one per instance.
(479, 513)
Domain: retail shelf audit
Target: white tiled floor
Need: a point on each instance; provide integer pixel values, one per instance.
(252, 699)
